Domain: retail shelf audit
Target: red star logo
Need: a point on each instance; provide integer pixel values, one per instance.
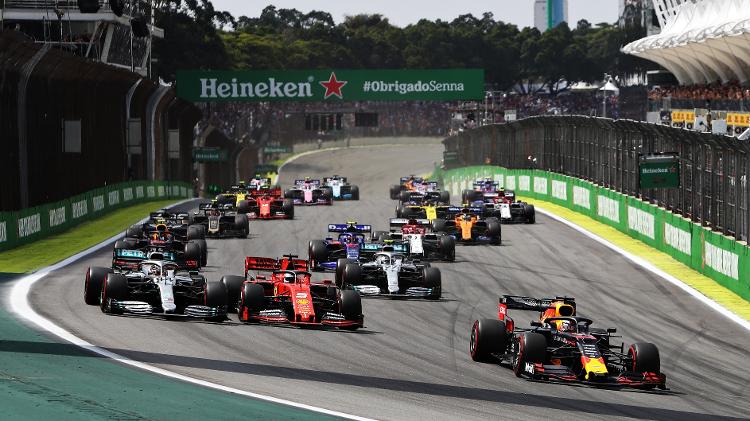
(333, 86)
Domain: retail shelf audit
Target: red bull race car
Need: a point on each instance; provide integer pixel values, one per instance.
(563, 347)
(281, 292)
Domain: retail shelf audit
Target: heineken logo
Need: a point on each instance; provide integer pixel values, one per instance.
(333, 86)
(271, 88)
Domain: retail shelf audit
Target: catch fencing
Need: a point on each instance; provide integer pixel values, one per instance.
(28, 225)
(713, 190)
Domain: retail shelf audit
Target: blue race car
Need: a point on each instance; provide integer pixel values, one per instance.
(340, 188)
(324, 254)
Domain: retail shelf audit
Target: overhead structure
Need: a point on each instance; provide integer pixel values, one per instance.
(702, 41)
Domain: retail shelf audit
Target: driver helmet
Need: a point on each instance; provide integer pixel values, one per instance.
(153, 270)
(566, 326)
(289, 278)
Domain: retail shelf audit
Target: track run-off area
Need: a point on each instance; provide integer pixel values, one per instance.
(411, 360)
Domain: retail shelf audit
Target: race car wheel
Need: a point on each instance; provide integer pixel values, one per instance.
(288, 194)
(240, 224)
(195, 232)
(233, 285)
(404, 196)
(432, 279)
(288, 208)
(135, 231)
(350, 306)
(530, 213)
(252, 300)
(448, 247)
(114, 287)
(438, 225)
(317, 252)
(193, 252)
(494, 231)
(531, 348)
(445, 197)
(488, 337)
(204, 251)
(243, 206)
(355, 192)
(379, 236)
(92, 287)
(215, 296)
(465, 196)
(352, 274)
(645, 358)
(340, 266)
(395, 192)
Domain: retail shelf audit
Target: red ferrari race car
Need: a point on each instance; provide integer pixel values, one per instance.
(287, 295)
(267, 206)
(563, 347)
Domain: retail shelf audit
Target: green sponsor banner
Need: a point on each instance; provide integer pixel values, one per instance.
(277, 149)
(209, 155)
(266, 168)
(331, 85)
(658, 171)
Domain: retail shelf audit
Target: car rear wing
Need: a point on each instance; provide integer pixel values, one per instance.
(349, 228)
(455, 210)
(270, 264)
(205, 206)
(400, 222)
(303, 182)
(432, 185)
(520, 302)
(376, 247)
(327, 179)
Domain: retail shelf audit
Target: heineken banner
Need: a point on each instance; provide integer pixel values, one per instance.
(330, 85)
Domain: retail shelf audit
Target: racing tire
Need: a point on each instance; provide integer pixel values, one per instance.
(114, 287)
(494, 231)
(241, 225)
(135, 231)
(243, 206)
(252, 300)
(195, 232)
(447, 246)
(350, 306)
(645, 358)
(355, 192)
(317, 252)
(530, 214)
(193, 252)
(340, 266)
(204, 251)
(288, 208)
(488, 336)
(433, 279)
(395, 192)
(215, 295)
(379, 236)
(92, 286)
(352, 274)
(532, 349)
(404, 196)
(233, 285)
(445, 197)
(438, 225)
(288, 194)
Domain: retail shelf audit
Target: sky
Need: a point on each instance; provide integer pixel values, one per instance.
(405, 12)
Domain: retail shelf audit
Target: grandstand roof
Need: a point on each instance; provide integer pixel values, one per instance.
(701, 41)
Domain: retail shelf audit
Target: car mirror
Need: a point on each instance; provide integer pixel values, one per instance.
(611, 330)
(536, 324)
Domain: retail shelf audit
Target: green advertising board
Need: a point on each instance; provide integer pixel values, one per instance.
(209, 155)
(330, 85)
(277, 149)
(658, 171)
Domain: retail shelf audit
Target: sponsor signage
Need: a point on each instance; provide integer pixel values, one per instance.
(450, 157)
(330, 85)
(266, 168)
(209, 155)
(659, 171)
(276, 149)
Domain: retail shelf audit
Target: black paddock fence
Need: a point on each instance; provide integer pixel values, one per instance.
(119, 125)
(713, 168)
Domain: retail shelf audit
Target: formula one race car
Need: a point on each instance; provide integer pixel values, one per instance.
(181, 243)
(563, 347)
(426, 210)
(411, 183)
(309, 192)
(422, 244)
(325, 254)
(340, 188)
(155, 288)
(261, 186)
(267, 206)
(223, 219)
(499, 203)
(467, 226)
(288, 296)
(418, 197)
(392, 274)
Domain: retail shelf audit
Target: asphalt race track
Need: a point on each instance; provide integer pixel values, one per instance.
(411, 361)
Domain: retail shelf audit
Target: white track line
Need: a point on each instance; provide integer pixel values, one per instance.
(653, 269)
(19, 303)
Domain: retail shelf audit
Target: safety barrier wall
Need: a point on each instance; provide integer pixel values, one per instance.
(27, 225)
(713, 254)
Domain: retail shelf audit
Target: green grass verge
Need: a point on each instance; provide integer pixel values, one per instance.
(47, 251)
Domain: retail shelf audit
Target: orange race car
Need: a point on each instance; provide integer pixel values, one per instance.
(467, 226)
